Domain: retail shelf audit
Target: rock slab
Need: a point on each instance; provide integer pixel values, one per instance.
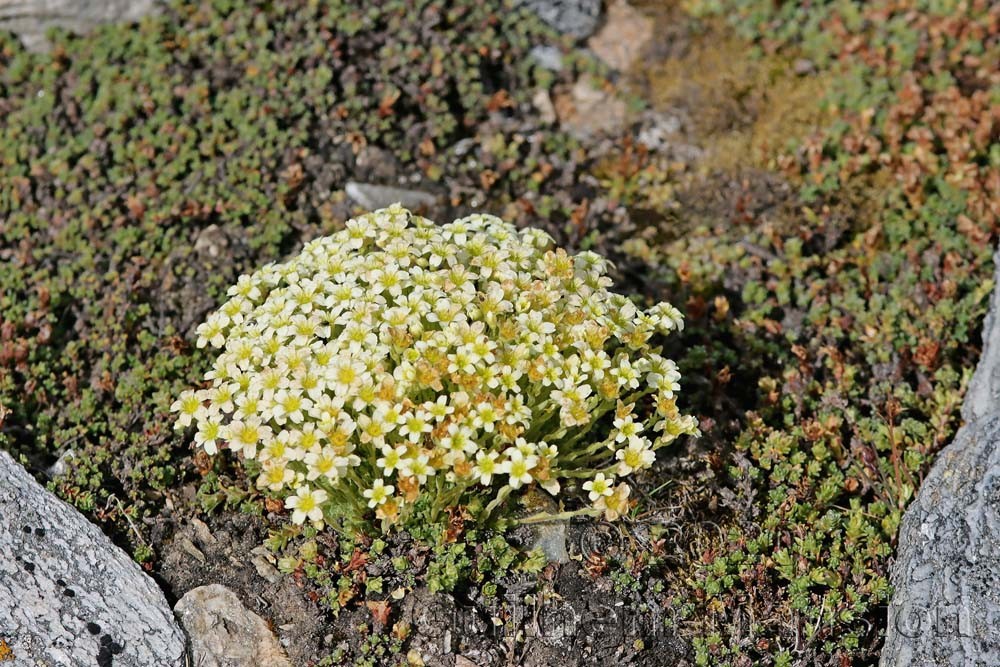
(68, 596)
(374, 197)
(550, 539)
(30, 19)
(587, 111)
(983, 395)
(578, 18)
(224, 633)
(623, 37)
(946, 607)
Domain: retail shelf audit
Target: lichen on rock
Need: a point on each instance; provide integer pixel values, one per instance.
(68, 596)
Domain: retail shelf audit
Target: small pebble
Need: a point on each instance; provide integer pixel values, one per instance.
(803, 66)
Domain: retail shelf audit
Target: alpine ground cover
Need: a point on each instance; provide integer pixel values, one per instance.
(833, 278)
(145, 168)
(856, 310)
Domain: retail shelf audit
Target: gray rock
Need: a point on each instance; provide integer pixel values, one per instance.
(463, 146)
(29, 19)
(983, 395)
(68, 596)
(376, 164)
(659, 131)
(623, 37)
(373, 197)
(550, 538)
(547, 57)
(587, 112)
(212, 242)
(543, 105)
(224, 633)
(263, 562)
(946, 606)
(803, 66)
(578, 18)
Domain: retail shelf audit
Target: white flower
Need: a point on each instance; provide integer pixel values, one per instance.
(547, 451)
(418, 467)
(208, 434)
(486, 466)
(615, 504)
(669, 318)
(485, 417)
(627, 428)
(459, 439)
(390, 415)
(190, 407)
(625, 374)
(221, 396)
(288, 405)
(212, 332)
(307, 504)
(268, 382)
(392, 458)
(439, 409)
(636, 456)
(599, 487)
(415, 424)
(401, 349)
(276, 448)
(526, 448)
(461, 362)
(322, 462)
(378, 493)
(372, 430)
(247, 435)
(345, 375)
(245, 287)
(663, 375)
(247, 404)
(275, 475)
(518, 467)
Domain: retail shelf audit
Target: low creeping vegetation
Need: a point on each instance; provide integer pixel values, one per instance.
(464, 361)
(146, 166)
(227, 132)
(856, 308)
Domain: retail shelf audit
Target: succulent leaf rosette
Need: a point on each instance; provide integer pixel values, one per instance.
(400, 360)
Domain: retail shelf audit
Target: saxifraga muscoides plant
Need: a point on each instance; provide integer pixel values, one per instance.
(399, 359)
